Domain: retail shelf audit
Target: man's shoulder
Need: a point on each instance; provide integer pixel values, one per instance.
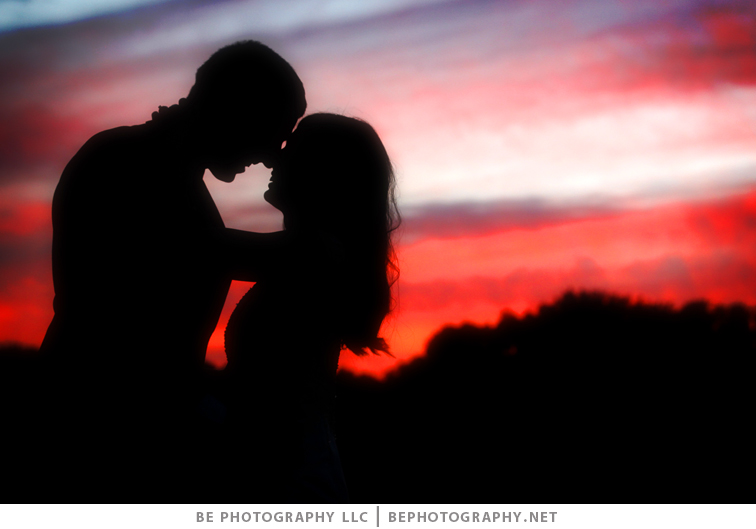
(125, 138)
(116, 150)
(108, 157)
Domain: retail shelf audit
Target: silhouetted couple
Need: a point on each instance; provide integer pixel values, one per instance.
(142, 263)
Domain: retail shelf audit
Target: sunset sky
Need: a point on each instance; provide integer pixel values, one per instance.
(539, 145)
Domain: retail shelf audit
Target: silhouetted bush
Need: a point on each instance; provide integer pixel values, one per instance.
(592, 399)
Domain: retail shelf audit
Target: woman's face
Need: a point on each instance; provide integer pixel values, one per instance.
(287, 179)
(273, 195)
(308, 176)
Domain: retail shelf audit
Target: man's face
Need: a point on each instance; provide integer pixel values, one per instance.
(239, 140)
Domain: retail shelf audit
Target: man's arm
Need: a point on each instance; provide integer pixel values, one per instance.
(249, 256)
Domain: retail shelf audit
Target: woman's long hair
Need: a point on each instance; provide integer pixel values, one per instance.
(343, 183)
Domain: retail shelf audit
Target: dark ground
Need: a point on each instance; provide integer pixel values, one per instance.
(593, 399)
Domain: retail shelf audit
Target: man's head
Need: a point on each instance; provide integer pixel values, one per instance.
(247, 99)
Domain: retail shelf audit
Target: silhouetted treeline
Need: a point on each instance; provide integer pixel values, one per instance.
(591, 399)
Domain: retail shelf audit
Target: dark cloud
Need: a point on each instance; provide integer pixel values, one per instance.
(465, 219)
(718, 220)
(22, 257)
(727, 52)
(25, 244)
(19, 255)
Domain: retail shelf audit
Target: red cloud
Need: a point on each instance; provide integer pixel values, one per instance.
(672, 253)
(25, 220)
(716, 260)
(34, 136)
(731, 221)
(694, 48)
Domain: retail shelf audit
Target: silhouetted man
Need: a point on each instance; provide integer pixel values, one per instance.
(138, 282)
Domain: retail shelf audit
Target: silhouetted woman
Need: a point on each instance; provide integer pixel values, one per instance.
(329, 290)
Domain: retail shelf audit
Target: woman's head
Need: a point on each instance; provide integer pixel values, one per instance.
(335, 175)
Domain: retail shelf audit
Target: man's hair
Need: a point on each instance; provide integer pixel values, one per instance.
(250, 73)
